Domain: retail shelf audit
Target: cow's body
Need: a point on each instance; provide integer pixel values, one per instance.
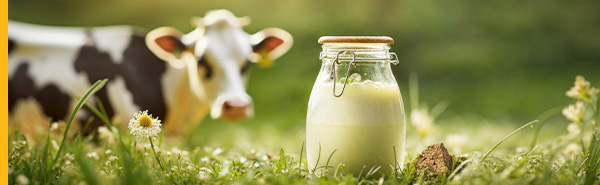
(48, 66)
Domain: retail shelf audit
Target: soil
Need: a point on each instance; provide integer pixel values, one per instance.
(433, 162)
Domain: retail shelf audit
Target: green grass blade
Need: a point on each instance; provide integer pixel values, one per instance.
(92, 90)
(99, 114)
(506, 137)
(300, 159)
(544, 117)
(86, 168)
(592, 160)
(44, 159)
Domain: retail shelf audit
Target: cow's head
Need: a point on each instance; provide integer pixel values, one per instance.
(217, 55)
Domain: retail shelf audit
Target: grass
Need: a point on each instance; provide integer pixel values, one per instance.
(116, 157)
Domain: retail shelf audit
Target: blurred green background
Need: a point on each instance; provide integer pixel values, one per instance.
(506, 60)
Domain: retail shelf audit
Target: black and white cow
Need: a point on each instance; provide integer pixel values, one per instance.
(178, 77)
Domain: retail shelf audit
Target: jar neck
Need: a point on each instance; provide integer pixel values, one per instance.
(360, 51)
(355, 63)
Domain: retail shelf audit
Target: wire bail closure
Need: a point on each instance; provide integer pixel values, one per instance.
(336, 61)
(322, 55)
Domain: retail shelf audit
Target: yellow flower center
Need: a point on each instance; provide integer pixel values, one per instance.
(145, 121)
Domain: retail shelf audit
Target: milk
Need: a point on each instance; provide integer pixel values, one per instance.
(363, 126)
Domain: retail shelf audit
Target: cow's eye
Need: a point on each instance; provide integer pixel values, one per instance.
(245, 67)
(204, 63)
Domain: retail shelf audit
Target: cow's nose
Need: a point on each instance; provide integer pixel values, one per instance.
(235, 110)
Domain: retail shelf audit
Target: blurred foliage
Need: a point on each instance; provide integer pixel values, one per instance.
(498, 58)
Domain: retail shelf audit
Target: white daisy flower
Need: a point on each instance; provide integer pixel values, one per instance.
(574, 112)
(144, 126)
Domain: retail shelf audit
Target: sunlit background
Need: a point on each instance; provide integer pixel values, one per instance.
(498, 63)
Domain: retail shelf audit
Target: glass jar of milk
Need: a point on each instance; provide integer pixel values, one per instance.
(355, 112)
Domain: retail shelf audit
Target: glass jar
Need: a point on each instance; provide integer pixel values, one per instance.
(355, 113)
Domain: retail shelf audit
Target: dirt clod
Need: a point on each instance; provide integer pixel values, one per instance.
(433, 162)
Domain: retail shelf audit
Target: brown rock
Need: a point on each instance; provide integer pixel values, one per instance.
(434, 161)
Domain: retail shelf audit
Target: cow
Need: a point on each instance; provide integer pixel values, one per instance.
(177, 77)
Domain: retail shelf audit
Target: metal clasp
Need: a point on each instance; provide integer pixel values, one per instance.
(394, 58)
(337, 61)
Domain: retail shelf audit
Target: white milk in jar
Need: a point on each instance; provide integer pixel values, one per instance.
(362, 120)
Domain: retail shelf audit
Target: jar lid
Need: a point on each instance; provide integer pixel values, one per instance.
(356, 39)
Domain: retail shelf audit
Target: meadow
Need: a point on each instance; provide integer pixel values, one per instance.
(117, 155)
(484, 70)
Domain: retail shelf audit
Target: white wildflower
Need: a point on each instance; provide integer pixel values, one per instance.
(574, 130)
(178, 155)
(149, 146)
(92, 155)
(574, 112)
(422, 121)
(105, 134)
(144, 126)
(217, 151)
(181, 154)
(204, 173)
(108, 152)
(265, 157)
(572, 149)
(113, 158)
(185, 153)
(22, 179)
(522, 149)
(205, 159)
(54, 127)
(224, 171)
(581, 89)
(69, 156)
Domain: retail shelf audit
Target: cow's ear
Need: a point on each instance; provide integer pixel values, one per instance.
(268, 45)
(165, 43)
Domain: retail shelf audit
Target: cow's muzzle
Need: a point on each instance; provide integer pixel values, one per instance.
(232, 109)
(235, 110)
